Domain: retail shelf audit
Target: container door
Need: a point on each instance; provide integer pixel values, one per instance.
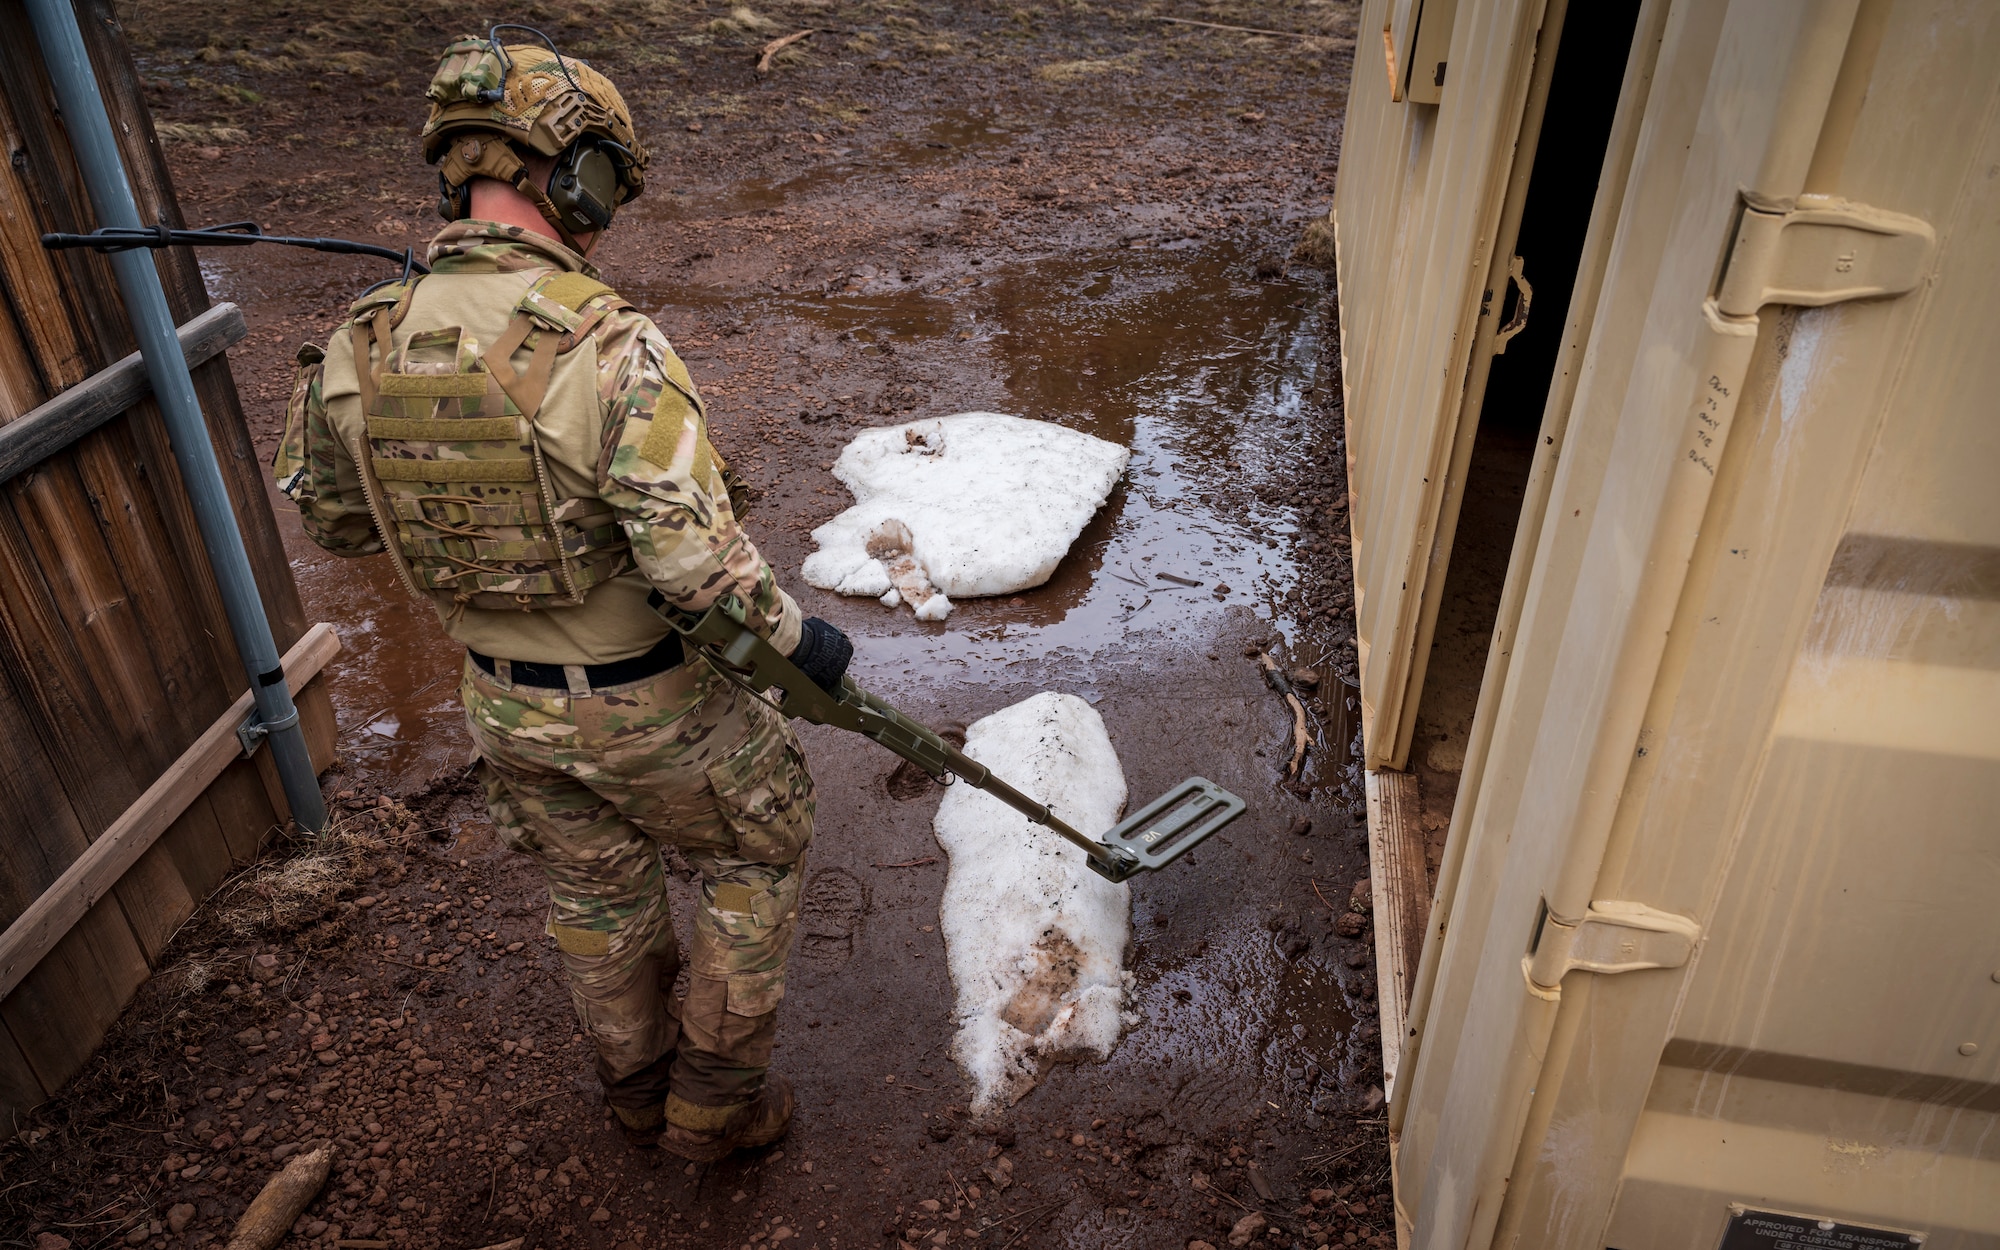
(1416, 214)
(1672, 579)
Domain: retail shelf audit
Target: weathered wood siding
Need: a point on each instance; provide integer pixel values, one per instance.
(114, 650)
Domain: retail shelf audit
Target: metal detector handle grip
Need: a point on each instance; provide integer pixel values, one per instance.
(723, 638)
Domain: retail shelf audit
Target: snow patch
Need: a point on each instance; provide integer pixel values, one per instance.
(974, 504)
(1035, 939)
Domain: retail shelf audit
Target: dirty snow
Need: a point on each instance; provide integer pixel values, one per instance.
(974, 504)
(1035, 939)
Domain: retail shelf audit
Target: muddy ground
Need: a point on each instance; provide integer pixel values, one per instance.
(1075, 212)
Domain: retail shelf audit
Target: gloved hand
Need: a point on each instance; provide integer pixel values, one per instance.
(822, 654)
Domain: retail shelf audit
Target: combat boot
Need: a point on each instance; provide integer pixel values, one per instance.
(641, 1125)
(705, 1134)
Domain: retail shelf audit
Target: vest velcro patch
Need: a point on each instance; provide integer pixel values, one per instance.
(444, 430)
(435, 385)
(494, 469)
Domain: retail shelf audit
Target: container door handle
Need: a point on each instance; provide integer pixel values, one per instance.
(1519, 321)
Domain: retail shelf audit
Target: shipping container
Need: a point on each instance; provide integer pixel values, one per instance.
(1670, 337)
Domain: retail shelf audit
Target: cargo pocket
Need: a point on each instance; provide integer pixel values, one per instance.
(515, 833)
(766, 795)
(756, 993)
(291, 464)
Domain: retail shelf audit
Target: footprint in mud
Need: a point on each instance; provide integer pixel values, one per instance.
(829, 915)
(910, 782)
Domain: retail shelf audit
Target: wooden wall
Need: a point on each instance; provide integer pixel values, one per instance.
(114, 649)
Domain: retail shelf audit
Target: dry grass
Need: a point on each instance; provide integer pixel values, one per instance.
(1315, 246)
(1064, 73)
(195, 132)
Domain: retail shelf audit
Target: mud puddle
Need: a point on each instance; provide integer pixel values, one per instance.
(1186, 357)
(952, 135)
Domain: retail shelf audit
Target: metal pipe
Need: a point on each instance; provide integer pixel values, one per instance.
(89, 127)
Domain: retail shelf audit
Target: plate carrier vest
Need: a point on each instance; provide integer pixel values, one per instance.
(453, 469)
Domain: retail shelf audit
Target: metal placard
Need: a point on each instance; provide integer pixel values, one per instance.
(1777, 1230)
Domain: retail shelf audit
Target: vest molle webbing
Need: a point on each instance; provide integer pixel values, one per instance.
(454, 470)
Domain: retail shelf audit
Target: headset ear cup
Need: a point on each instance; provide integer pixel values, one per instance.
(583, 187)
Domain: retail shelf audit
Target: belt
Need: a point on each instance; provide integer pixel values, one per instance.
(665, 654)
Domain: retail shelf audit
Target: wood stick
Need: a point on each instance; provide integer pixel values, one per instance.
(284, 1196)
(776, 46)
(43, 431)
(1275, 678)
(48, 919)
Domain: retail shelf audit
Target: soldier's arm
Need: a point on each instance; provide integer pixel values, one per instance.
(657, 470)
(315, 469)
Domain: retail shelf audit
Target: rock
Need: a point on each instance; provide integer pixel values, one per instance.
(1306, 677)
(250, 1037)
(1199, 1245)
(600, 1216)
(930, 1206)
(1246, 1228)
(1350, 924)
(281, 1153)
(1301, 827)
(1257, 1181)
(1076, 1139)
(781, 1233)
(1362, 897)
(1320, 1197)
(1372, 1101)
(253, 1134)
(137, 1237)
(517, 1148)
(178, 1216)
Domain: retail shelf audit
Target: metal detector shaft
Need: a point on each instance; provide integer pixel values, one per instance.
(720, 637)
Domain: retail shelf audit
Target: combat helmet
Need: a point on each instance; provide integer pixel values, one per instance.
(487, 97)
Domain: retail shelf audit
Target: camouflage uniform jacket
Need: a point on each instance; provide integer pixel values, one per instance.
(683, 528)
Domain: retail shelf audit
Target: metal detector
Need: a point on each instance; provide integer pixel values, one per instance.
(1149, 839)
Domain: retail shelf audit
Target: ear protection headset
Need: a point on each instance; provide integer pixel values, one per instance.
(582, 188)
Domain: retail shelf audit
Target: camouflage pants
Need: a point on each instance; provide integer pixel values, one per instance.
(592, 788)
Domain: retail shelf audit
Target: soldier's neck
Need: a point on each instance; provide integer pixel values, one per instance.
(495, 201)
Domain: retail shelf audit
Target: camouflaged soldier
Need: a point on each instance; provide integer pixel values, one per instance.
(535, 459)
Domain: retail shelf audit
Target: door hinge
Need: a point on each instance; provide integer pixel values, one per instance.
(1822, 252)
(1611, 937)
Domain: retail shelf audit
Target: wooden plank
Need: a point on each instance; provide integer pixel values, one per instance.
(20, 1089)
(35, 436)
(1400, 889)
(316, 714)
(97, 870)
(34, 853)
(60, 1011)
(244, 812)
